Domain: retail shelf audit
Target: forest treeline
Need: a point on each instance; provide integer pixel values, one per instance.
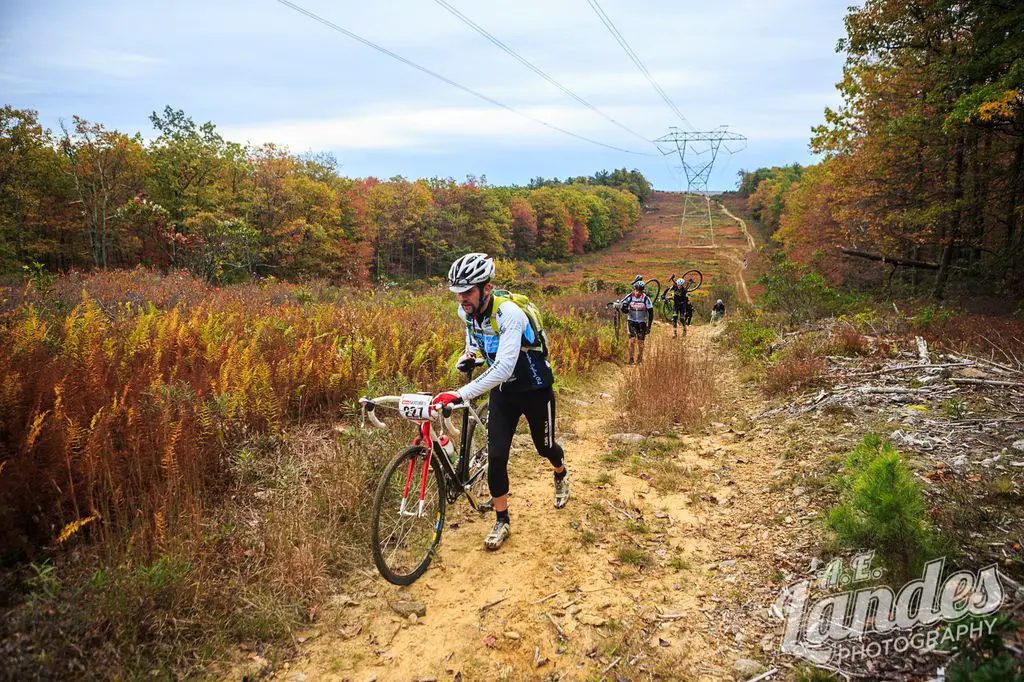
(923, 162)
(86, 196)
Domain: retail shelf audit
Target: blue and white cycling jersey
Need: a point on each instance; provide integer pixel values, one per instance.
(512, 365)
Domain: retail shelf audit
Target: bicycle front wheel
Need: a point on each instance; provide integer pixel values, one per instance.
(406, 529)
(665, 308)
(477, 479)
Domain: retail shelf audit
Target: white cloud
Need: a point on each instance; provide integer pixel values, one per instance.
(109, 63)
(412, 128)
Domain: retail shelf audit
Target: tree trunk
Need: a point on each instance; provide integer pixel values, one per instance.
(1016, 182)
(899, 262)
(938, 291)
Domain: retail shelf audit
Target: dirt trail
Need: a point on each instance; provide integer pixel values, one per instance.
(569, 596)
(654, 249)
(743, 226)
(651, 571)
(741, 265)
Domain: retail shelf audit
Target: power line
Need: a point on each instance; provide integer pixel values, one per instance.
(423, 69)
(537, 70)
(606, 20)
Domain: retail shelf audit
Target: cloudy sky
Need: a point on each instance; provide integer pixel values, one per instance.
(263, 72)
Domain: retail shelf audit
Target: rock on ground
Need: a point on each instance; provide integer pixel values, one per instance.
(745, 668)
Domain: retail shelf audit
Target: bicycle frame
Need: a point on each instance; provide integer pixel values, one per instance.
(457, 476)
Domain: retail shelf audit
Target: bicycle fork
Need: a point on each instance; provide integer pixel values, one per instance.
(424, 438)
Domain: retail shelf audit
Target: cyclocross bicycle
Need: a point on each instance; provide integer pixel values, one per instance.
(419, 483)
(692, 280)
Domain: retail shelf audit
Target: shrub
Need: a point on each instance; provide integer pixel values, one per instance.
(635, 557)
(849, 342)
(986, 658)
(125, 409)
(882, 508)
(798, 366)
(800, 294)
(751, 338)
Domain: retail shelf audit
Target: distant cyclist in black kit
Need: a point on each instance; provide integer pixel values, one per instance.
(718, 311)
(681, 307)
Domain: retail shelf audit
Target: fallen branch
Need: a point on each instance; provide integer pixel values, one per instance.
(558, 628)
(611, 665)
(904, 368)
(492, 603)
(888, 389)
(1013, 370)
(670, 616)
(900, 262)
(544, 599)
(621, 511)
(986, 382)
(1001, 350)
(764, 675)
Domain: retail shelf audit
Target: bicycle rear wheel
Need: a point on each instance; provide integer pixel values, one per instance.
(693, 279)
(652, 288)
(404, 535)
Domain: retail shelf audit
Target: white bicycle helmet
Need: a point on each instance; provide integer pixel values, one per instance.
(680, 282)
(469, 270)
(639, 284)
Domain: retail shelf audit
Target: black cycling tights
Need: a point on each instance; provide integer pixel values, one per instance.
(505, 409)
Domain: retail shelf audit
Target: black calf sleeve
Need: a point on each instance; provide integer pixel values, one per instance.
(506, 407)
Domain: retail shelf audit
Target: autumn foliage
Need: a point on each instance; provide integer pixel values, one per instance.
(189, 199)
(123, 394)
(924, 161)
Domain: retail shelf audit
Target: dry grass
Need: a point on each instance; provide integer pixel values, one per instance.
(672, 387)
(293, 523)
(170, 483)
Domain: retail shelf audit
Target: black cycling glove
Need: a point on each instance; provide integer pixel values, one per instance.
(468, 364)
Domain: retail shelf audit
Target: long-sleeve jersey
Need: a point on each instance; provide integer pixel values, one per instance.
(639, 309)
(510, 365)
(680, 298)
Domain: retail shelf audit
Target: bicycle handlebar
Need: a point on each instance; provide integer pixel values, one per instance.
(367, 406)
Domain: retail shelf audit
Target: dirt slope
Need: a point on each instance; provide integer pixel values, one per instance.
(641, 575)
(661, 245)
(629, 577)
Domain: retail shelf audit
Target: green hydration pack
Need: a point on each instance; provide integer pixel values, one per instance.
(532, 314)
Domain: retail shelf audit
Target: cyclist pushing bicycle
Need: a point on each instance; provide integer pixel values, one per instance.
(518, 377)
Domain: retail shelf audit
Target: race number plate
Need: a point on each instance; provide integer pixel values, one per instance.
(414, 406)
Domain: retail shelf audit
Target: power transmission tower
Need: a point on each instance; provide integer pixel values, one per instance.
(697, 152)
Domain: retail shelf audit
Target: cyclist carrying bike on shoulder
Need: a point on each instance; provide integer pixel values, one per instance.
(680, 305)
(518, 377)
(640, 315)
